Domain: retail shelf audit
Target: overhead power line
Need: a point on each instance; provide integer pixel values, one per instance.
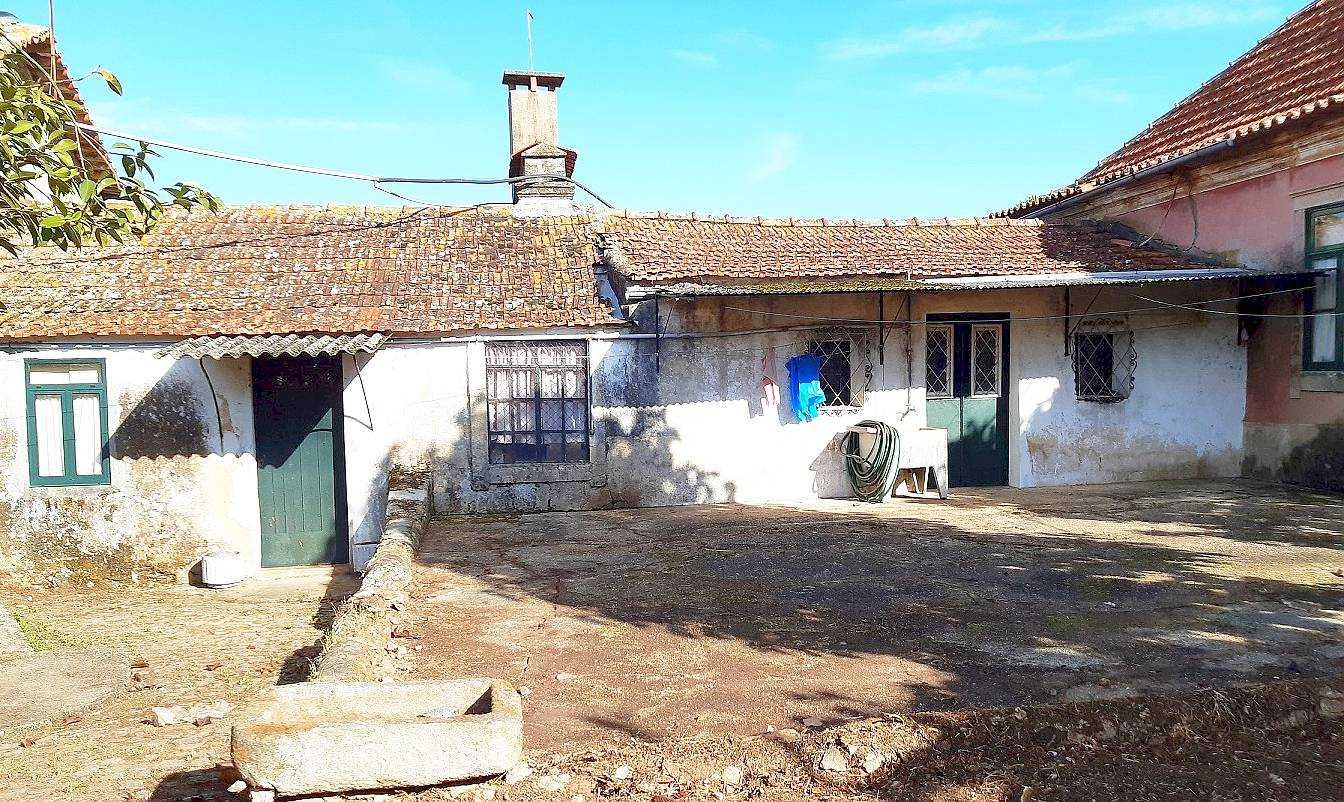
(323, 171)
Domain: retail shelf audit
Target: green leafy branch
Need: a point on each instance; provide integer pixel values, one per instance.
(51, 191)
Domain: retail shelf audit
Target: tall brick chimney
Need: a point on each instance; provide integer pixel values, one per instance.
(534, 144)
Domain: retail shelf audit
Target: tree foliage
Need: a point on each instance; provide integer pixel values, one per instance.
(52, 192)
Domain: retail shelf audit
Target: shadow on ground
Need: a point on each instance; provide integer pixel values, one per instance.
(649, 623)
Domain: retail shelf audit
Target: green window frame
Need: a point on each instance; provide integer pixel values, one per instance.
(67, 392)
(1324, 302)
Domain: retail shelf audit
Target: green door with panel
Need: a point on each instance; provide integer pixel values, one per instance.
(297, 407)
(966, 387)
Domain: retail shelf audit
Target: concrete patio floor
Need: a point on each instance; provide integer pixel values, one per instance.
(665, 622)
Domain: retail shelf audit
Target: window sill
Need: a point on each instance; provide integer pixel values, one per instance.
(1322, 381)
(539, 473)
(64, 491)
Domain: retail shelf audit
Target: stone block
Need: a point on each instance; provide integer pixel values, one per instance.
(334, 737)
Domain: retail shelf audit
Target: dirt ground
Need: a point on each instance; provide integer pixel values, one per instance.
(197, 647)
(700, 621)
(1281, 741)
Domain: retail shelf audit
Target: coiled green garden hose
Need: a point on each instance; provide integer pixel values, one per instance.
(873, 473)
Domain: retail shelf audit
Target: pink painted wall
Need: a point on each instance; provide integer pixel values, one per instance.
(1260, 223)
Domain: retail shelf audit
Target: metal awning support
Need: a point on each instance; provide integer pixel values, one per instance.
(259, 345)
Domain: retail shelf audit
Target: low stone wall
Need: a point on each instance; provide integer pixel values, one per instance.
(355, 647)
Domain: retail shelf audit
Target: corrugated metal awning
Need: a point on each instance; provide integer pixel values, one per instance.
(223, 346)
(841, 284)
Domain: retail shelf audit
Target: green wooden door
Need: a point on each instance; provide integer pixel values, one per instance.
(966, 387)
(297, 405)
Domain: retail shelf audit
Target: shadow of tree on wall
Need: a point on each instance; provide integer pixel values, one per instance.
(170, 419)
(987, 613)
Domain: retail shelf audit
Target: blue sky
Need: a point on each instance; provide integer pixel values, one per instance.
(867, 109)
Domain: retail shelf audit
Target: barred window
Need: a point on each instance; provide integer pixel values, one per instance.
(986, 360)
(836, 372)
(537, 393)
(1103, 365)
(938, 361)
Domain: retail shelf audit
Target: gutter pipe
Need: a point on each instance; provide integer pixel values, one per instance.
(1156, 169)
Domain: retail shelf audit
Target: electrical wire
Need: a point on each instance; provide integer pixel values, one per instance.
(1301, 316)
(1163, 306)
(522, 180)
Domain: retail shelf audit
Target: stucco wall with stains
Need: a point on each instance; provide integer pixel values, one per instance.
(684, 419)
(176, 490)
(680, 420)
(1251, 208)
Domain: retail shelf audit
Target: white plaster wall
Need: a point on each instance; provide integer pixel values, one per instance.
(175, 492)
(687, 425)
(684, 421)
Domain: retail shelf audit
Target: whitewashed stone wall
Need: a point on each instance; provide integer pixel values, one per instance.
(688, 425)
(175, 491)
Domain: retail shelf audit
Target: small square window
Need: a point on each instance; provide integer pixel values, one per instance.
(1102, 366)
(67, 423)
(837, 372)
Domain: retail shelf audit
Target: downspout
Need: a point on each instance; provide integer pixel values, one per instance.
(219, 419)
(1156, 169)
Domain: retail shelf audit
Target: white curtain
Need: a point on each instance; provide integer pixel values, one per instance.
(50, 435)
(88, 436)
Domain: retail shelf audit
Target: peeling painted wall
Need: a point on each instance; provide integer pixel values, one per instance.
(684, 421)
(174, 494)
(1250, 208)
(680, 422)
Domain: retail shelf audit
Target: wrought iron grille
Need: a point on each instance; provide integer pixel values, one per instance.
(537, 397)
(986, 360)
(938, 362)
(837, 372)
(1103, 365)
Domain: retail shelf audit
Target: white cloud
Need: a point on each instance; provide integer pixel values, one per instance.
(944, 36)
(696, 58)
(425, 76)
(1123, 20)
(775, 154)
(1002, 83)
(746, 40)
(1020, 83)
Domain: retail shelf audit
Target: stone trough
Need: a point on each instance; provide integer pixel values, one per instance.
(332, 737)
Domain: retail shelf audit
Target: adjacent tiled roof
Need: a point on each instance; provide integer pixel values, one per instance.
(254, 345)
(1295, 73)
(36, 43)
(305, 269)
(665, 249)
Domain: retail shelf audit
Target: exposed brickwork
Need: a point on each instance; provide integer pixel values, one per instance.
(279, 270)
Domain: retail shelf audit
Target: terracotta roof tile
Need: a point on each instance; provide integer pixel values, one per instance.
(36, 43)
(280, 270)
(659, 248)
(1294, 74)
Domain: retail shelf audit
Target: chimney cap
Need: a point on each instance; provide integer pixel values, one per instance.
(550, 80)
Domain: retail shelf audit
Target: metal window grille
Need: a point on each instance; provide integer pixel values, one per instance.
(537, 397)
(1103, 365)
(837, 372)
(938, 362)
(986, 360)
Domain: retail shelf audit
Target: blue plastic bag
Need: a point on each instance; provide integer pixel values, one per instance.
(805, 386)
